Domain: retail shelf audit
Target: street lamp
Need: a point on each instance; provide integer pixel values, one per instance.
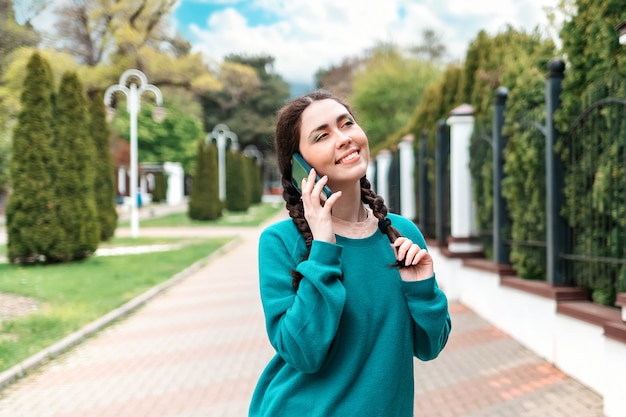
(221, 133)
(133, 95)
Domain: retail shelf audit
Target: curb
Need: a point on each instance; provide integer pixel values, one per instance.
(20, 370)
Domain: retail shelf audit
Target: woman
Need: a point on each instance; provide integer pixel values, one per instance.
(345, 310)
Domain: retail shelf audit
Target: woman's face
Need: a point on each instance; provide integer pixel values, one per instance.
(333, 144)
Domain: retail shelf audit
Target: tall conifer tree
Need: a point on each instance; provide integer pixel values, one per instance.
(104, 169)
(238, 195)
(32, 224)
(204, 202)
(74, 181)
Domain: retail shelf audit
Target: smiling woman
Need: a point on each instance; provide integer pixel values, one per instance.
(348, 290)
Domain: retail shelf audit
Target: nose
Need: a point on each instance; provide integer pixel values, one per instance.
(343, 140)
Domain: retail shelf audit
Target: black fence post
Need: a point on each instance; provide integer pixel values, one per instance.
(441, 159)
(500, 254)
(556, 227)
(393, 181)
(423, 183)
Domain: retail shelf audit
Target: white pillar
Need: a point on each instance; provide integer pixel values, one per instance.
(383, 162)
(407, 177)
(175, 182)
(462, 210)
(121, 180)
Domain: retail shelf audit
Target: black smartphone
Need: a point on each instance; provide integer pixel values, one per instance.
(299, 170)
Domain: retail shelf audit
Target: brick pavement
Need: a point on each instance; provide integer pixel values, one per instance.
(197, 349)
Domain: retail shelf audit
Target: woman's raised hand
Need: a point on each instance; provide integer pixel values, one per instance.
(317, 208)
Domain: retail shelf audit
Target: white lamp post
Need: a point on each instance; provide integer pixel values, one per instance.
(133, 94)
(221, 133)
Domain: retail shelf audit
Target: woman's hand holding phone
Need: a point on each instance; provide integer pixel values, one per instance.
(316, 211)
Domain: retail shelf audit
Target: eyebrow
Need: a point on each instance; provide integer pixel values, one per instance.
(325, 125)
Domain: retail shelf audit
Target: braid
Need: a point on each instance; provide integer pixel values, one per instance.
(296, 212)
(377, 204)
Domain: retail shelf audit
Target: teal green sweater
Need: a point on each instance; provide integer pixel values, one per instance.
(344, 347)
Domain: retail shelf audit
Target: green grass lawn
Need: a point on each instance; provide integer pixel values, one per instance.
(254, 216)
(74, 294)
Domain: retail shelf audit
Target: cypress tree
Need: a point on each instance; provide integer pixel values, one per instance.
(256, 181)
(159, 194)
(204, 202)
(32, 225)
(238, 194)
(74, 180)
(104, 169)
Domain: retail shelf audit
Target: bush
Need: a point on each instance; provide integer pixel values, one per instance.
(204, 202)
(32, 221)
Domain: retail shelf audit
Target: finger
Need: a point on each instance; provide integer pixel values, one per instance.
(396, 246)
(403, 249)
(399, 241)
(330, 201)
(319, 188)
(308, 183)
(411, 255)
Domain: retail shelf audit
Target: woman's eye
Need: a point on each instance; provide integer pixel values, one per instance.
(348, 122)
(320, 136)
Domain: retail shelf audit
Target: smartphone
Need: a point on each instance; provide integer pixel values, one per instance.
(299, 170)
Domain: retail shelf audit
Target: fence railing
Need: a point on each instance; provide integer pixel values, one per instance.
(584, 241)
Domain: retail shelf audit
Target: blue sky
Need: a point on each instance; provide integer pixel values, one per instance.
(305, 35)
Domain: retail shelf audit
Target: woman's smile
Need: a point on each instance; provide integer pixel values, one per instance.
(351, 157)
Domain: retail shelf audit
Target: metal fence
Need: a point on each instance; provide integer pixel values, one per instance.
(594, 156)
(583, 178)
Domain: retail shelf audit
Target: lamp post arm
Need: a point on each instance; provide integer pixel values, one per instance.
(143, 80)
(155, 90)
(114, 89)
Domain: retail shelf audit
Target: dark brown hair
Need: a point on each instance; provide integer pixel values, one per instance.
(286, 143)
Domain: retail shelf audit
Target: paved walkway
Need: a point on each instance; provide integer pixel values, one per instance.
(197, 349)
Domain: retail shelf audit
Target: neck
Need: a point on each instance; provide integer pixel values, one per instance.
(349, 207)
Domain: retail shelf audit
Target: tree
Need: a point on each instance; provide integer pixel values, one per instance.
(172, 140)
(106, 39)
(513, 59)
(74, 181)
(32, 222)
(248, 107)
(387, 91)
(338, 78)
(95, 30)
(14, 36)
(159, 193)
(238, 192)
(256, 180)
(591, 44)
(204, 202)
(431, 48)
(104, 186)
(596, 70)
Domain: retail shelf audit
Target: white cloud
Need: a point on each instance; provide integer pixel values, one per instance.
(306, 35)
(309, 35)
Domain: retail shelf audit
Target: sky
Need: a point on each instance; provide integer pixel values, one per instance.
(307, 35)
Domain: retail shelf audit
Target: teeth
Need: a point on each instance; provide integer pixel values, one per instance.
(349, 157)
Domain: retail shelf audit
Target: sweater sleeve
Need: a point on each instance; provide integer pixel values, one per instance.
(427, 304)
(300, 325)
